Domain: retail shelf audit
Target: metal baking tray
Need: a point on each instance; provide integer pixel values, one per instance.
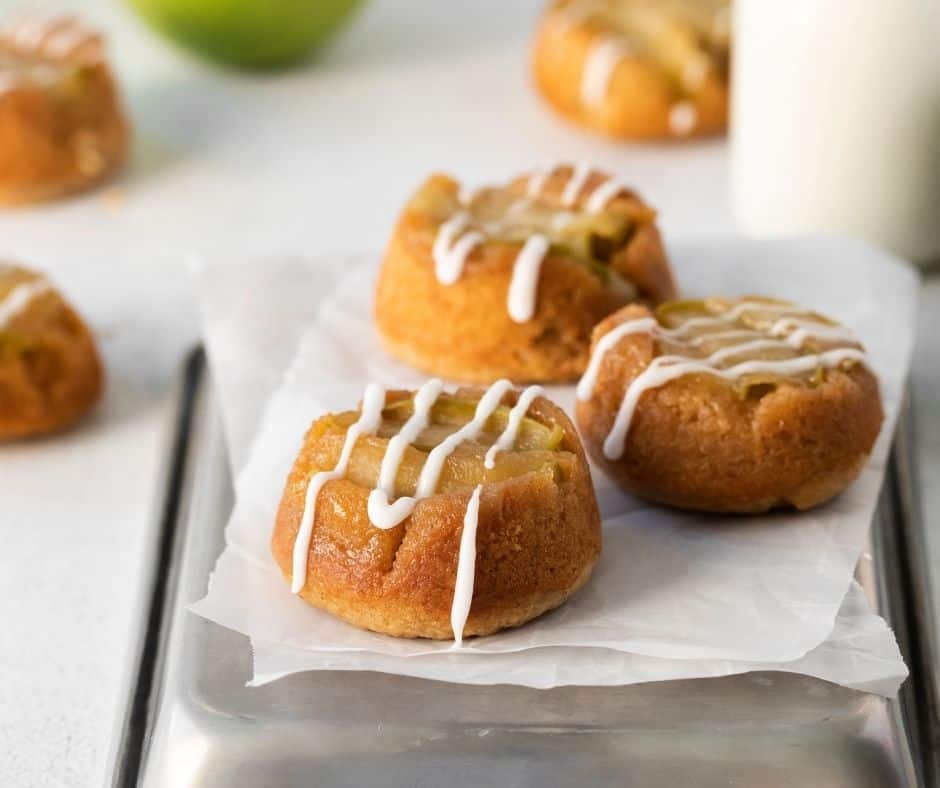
(190, 720)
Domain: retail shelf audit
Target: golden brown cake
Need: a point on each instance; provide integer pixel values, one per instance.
(50, 373)
(636, 68)
(61, 124)
(509, 281)
(728, 405)
(395, 517)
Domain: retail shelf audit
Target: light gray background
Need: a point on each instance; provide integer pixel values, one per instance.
(313, 160)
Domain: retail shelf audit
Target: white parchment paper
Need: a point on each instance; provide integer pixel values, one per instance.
(698, 595)
(860, 653)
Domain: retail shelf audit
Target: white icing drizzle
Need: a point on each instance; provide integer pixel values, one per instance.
(537, 181)
(724, 353)
(465, 194)
(597, 197)
(561, 220)
(431, 472)
(602, 59)
(63, 42)
(807, 329)
(508, 437)
(573, 187)
(585, 388)
(456, 239)
(19, 298)
(732, 315)
(682, 118)
(386, 515)
(466, 566)
(29, 33)
(54, 36)
(373, 400)
(383, 513)
(694, 72)
(603, 194)
(575, 184)
(452, 246)
(742, 333)
(786, 332)
(523, 287)
(666, 368)
(518, 207)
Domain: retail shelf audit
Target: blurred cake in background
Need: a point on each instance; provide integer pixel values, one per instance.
(62, 128)
(50, 371)
(643, 69)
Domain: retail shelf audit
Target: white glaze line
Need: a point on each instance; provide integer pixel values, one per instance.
(603, 194)
(67, 40)
(518, 207)
(28, 32)
(682, 118)
(605, 344)
(561, 220)
(384, 511)
(19, 298)
(434, 465)
(450, 251)
(57, 37)
(694, 72)
(537, 181)
(386, 515)
(579, 177)
(797, 339)
(370, 419)
(602, 59)
(465, 194)
(732, 315)
(743, 333)
(466, 567)
(508, 437)
(667, 368)
(523, 287)
(597, 198)
(454, 241)
(806, 329)
(724, 353)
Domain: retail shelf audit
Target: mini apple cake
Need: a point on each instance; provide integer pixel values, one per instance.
(636, 68)
(62, 129)
(509, 281)
(50, 372)
(438, 515)
(729, 405)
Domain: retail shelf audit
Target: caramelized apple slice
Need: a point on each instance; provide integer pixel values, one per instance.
(699, 341)
(462, 469)
(450, 413)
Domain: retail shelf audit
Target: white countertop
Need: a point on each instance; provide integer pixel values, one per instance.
(311, 160)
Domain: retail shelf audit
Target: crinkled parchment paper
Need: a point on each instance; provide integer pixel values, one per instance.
(675, 595)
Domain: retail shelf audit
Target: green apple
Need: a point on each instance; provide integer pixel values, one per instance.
(248, 32)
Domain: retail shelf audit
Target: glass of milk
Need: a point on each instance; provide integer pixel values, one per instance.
(835, 123)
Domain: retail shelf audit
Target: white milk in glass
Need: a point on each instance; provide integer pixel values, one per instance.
(836, 120)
